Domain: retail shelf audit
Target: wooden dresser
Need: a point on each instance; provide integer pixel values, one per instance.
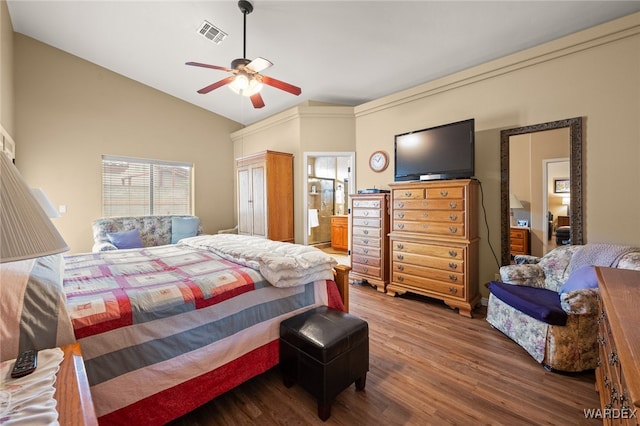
(340, 232)
(434, 241)
(519, 240)
(618, 371)
(369, 239)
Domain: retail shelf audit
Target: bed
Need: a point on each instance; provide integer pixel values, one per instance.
(165, 329)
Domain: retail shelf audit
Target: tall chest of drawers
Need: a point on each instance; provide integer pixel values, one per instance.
(369, 239)
(618, 370)
(434, 241)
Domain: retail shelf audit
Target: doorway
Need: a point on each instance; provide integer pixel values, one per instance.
(329, 181)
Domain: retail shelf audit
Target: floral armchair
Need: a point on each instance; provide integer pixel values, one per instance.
(151, 230)
(569, 347)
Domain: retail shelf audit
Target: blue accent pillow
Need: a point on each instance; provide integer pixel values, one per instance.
(183, 227)
(126, 239)
(581, 278)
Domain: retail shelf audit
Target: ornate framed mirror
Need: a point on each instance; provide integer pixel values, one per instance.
(575, 210)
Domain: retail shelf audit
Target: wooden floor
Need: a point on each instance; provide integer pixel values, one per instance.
(428, 365)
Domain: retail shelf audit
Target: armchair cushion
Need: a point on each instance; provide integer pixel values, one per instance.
(539, 303)
(583, 277)
(126, 239)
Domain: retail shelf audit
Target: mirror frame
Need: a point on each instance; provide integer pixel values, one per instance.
(575, 171)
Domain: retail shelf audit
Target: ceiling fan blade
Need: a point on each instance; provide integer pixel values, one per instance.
(217, 84)
(259, 64)
(257, 101)
(294, 90)
(215, 67)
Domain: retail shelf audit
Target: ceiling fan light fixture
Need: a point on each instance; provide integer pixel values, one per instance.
(245, 85)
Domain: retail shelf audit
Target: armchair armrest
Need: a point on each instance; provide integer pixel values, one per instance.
(524, 259)
(104, 246)
(528, 275)
(580, 302)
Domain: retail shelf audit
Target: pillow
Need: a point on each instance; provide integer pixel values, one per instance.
(183, 227)
(126, 239)
(581, 278)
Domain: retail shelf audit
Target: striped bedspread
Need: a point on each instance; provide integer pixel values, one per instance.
(165, 329)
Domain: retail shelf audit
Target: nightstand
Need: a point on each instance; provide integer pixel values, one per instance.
(519, 240)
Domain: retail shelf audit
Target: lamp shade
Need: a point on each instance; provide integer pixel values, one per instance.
(566, 201)
(26, 231)
(514, 202)
(45, 203)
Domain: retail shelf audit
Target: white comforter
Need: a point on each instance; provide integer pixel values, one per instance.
(282, 264)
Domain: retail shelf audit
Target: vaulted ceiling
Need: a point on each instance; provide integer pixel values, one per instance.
(342, 52)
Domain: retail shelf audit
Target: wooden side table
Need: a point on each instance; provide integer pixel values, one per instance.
(519, 240)
(74, 403)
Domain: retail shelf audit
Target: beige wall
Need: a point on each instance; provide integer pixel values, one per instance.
(6, 70)
(309, 127)
(594, 74)
(69, 112)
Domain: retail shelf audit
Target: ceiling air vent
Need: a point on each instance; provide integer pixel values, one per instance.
(211, 33)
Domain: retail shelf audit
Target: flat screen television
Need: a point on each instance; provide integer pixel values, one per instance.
(441, 152)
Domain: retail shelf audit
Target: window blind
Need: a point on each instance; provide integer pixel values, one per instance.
(140, 187)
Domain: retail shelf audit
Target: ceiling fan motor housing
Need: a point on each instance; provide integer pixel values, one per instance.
(236, 63)
(245, 7)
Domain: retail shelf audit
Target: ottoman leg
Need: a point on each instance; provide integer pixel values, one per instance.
(361, 381)
(324, 410)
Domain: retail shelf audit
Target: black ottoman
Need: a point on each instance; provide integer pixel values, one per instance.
(325, 351)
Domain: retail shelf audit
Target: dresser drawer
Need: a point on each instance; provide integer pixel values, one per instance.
(366, 269)
(365, 232)
(433, 228)
(446, 192)
(518, 234)
(372, 213)
(409, 194)
(425, 283)
(450, 265)
(365, 250)
(449, 205)
(366, 260)
(445, 252)
(450, 277)
(372, 223)
(366, 204)
(366, 241)
(429, 215)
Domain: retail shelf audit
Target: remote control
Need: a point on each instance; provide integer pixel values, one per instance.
(25, 364)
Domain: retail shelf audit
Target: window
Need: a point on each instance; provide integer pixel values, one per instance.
(140, 187)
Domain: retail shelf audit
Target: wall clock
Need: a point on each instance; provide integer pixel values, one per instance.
(378, 161)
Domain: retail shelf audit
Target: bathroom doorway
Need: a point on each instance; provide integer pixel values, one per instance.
(329, 181)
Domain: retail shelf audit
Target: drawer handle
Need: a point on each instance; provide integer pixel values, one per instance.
(401, 204)
(453, 229)
(366, 222)
(453, 290)
(444, 193)
(365, 232)
(400, 225)
(613, 358)
(365, 242)
(453, 205)
(453, 216)
(365, 270)
(401, 279)
(376, 204)
(400, 215)
(366, 260)
(356, 204)
(400, 246)
(453, 253)
(425, 215)
(400, 257)
(606, 381)
(408, 194)
(365, 213)
(453, 265)
(365, 251)
(598, 362)
(400, 267)
(453, 278)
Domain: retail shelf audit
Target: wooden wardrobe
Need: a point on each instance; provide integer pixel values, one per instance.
(265, 195)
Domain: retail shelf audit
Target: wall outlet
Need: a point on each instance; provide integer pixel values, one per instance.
(62, 208)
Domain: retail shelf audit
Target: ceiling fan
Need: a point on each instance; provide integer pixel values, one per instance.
(246, 79)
